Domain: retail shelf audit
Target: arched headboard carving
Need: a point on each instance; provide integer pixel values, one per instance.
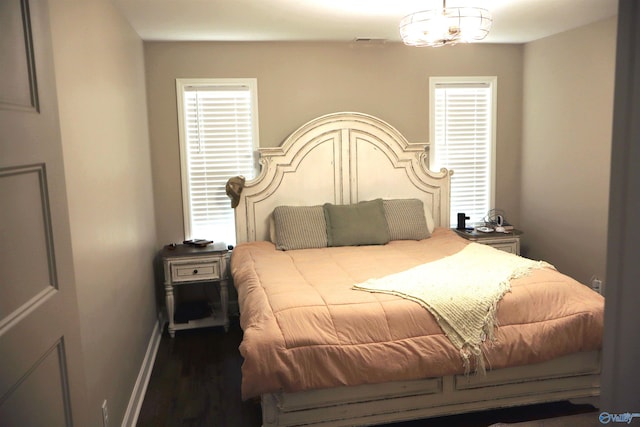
(340, 158)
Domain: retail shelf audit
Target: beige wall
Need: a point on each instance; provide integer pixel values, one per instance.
(99, 68)
(300, 81)
(568, 111)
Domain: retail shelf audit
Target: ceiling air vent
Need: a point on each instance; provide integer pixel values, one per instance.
(369, 40)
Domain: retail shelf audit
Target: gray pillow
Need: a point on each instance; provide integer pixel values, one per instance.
(357, 224)
(299, 227)
(406, 219)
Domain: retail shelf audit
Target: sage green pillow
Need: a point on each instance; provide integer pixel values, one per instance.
(362, 223)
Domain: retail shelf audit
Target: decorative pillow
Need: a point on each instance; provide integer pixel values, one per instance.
(357, 224)
(299, 227)
(406, 219)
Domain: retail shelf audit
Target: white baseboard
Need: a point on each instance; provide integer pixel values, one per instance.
(140, 388)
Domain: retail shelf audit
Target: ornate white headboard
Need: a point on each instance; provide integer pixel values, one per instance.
(340, 158)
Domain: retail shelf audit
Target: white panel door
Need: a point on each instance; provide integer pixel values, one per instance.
(41, 374)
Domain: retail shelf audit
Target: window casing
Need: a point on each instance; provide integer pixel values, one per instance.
(462, 127)
(218, 133)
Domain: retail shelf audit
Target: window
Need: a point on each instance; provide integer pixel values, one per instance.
(218, 125)
(462, 126)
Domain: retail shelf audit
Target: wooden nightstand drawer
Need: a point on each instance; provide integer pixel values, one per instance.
(195, 271)
(511, 247)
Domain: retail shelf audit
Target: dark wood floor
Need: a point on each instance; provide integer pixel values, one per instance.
(196, 383)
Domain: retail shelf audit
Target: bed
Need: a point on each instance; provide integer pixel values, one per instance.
(319, 352)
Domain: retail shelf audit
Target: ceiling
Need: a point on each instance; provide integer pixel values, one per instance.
(514, 21)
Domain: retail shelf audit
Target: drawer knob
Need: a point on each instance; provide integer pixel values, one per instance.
(195, 271)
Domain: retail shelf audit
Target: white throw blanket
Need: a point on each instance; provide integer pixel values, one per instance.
(462, 291)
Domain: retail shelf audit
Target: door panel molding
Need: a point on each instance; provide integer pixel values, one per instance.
(19, 59)
(23, 291)
(25, 309)
(46, 377)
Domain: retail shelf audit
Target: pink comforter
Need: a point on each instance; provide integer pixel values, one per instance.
(305, 328)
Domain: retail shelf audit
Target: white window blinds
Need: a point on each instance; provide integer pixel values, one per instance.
(462, 133)
(218, 140)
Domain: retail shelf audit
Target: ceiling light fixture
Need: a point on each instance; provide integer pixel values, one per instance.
(445, 26)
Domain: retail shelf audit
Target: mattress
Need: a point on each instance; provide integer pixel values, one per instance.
(305, 327)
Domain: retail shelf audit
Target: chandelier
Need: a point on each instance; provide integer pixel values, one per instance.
(445, 26)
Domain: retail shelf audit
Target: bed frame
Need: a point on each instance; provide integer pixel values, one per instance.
(349, 157)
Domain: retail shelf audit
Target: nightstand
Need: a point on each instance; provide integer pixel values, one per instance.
(184, 265)
(508, 242)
